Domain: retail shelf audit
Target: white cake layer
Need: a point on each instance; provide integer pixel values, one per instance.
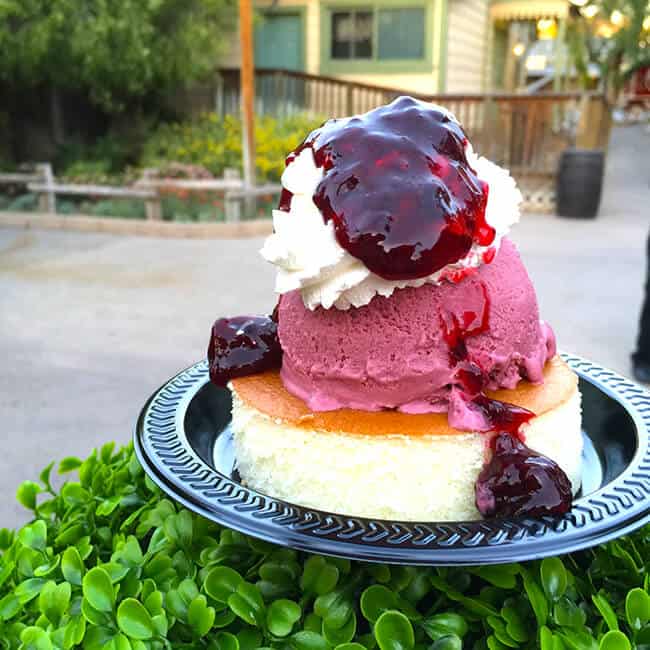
(419, 478)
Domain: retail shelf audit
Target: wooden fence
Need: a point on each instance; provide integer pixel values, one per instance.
(524, 132)
(150, 189)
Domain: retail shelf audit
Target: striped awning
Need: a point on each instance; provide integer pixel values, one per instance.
(528, 10)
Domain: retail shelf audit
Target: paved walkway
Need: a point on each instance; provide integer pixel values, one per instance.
(90, 325)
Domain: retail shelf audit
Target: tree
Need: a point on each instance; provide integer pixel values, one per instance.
(613, 35)
(119, 51)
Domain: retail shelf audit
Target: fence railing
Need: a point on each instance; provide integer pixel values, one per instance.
(149, 189)
(525, 132)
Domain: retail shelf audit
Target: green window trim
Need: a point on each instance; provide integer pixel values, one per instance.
(374, 66)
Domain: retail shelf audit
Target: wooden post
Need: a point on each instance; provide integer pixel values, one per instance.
(232, 204)
(247, 97)
(153, 208)
(153, 205)
(47, 199)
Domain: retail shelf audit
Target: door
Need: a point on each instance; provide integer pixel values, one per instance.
(279, 41)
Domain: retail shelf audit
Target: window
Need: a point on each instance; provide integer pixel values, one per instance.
(377, 34)
(400, 34)
(352, 34)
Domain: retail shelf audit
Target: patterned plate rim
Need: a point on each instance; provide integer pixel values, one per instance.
(613, 510)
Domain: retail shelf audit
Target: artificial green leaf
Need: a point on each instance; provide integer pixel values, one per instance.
(447, 642)
(92, 615)
(9, 606)
(35, 638)
(74, 494)
(47, 568)
(248, 639)
(547, 640)
(160, 624)
(515, 624)
(34, 535)
(154, 602)
(69, 464)
(444, 624)
(178, 528)
(567, 614)
(224, 618)
(98, 589)
(319, 576)
(6, 538)
(221, 582)
(339, 635)
(394, 631)
(199, 616)
(97, 638)
(499, 575)
(537, 600)
(119, 642)
(44, 476)
(247, 603)
(134, 620)
(281, 616)
(54, 601)
(606, 611)
(501, 632)
(554, 577)
(72, 566)
(637, 608)
(29, 589)
(74, 633)
(334, 607)
(27, 493)
(308, 641)
(279, 573)
(227, 641)
(375, 600)
(614, 640)
(577, 639)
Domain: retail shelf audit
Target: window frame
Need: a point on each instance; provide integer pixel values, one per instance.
(328, 65)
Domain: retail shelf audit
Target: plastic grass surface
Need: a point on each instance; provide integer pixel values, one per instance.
(108, 562)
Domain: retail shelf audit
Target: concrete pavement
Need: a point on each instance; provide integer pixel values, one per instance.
(91, 324)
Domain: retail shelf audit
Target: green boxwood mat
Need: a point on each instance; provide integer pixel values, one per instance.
(109, 562)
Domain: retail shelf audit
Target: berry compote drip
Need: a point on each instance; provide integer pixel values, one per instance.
(399, 189)
(518, 482)
(457, 327)
(243, 345)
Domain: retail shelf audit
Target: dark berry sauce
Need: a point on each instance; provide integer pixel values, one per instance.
(457, 327)
(243, 345)
(503, 416)
(399, 189)
(519, 482)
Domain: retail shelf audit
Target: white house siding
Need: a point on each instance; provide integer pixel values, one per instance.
(467, 46)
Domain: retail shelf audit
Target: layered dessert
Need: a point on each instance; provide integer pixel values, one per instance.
(405, 372)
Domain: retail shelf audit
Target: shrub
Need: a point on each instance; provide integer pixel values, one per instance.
(109, 562)
(23, 203)
(123, 208)
(215, 143)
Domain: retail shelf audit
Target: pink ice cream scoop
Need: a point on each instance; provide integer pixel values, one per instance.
(427, 349)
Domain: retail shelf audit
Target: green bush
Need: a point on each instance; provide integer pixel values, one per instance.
(108, 562)
(122, 208)
(23, 203)
(215, 143)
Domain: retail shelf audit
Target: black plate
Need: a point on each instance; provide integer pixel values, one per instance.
(184, 427)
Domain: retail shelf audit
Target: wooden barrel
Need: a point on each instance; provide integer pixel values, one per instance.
(579, 183)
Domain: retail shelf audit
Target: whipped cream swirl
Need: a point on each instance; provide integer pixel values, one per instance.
(308, 257)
